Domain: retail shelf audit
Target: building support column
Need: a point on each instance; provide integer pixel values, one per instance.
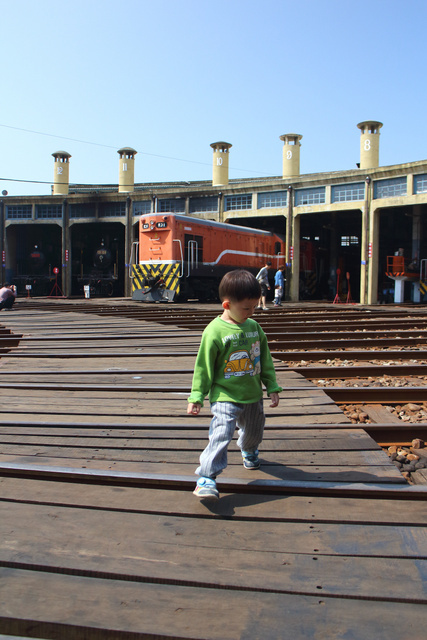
(2, 241)
(287, 273)
(66, 251)
(221, 215)
(374, 258)
(295, 260)
(128, 247)
(364, 246)
(289, 226)
(416, 245)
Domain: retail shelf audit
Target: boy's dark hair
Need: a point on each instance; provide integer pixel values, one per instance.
(239, 285)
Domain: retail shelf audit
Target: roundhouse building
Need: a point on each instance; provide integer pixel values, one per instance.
(364, 226)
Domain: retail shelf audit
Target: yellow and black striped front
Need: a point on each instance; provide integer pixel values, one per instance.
(147, 278)
(310, 283)
(423, 288)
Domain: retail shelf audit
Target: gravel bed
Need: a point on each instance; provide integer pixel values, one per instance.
(411, 461)
(343, 362)
(382, 381)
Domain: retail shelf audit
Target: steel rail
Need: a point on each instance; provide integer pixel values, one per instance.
(304, 323)
(402, 491)
(152, 311)
(340, 324)
(283, 356)
(359, 371)
(275, 344)
(91, 372)
(102, 354)
(96, 336)
(196, 426)
(406, 337)
(343, 334)
(310, 373)
(340, 395)
(376, 395)
(191, 425)
(366, 354)
(273, 327)
(283, 320)
(120, 388)
(280, 333)
(344, 342)
(383, 434)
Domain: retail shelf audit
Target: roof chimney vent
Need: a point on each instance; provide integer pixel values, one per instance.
(220, 162)
(291, 154)
(126, 169)
(369, 144)
(61, 176)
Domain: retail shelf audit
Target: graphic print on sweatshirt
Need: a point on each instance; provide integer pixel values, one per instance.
(243, 361)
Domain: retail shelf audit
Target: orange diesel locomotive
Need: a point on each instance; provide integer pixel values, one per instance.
(181, 257)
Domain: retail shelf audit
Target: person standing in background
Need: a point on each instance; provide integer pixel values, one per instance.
(7, 296)
(262, 277)
(279, 286)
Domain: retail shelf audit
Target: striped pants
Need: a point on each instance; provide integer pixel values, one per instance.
(248, 418)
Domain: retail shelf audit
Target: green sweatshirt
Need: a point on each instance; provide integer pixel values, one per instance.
(233, 361)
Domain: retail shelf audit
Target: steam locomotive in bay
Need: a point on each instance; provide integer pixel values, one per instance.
(179, 258)
(99, 272)
(35, 274)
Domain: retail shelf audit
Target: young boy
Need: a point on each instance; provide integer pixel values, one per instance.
(233, 361)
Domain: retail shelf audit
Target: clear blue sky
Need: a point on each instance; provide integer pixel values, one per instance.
(168, 77)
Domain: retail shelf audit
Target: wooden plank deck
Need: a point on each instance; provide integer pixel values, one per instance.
(101, 536)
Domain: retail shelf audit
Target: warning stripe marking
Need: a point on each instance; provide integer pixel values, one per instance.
(141, 273)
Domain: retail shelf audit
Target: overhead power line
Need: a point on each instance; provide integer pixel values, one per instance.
(31, 181)
(108, 146)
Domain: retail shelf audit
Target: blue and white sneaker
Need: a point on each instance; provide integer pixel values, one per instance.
(206, 488)
(251, 460)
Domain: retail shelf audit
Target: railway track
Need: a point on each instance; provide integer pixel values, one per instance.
(287, 332)
(97, 461)
(343, 395)
(302, 339)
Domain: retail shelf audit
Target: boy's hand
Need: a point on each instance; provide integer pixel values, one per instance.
(193, 408)
(274, 397)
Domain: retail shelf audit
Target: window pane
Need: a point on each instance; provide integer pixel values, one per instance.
(141, 208)
(420, 184)
(48, 210)
(200, 205)
(238, 202)
(315, 195)
(272, 199)
(348, 192)
(112, 209)
(390, 188)
(18, 211)
(171, 205)
(82, 210)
